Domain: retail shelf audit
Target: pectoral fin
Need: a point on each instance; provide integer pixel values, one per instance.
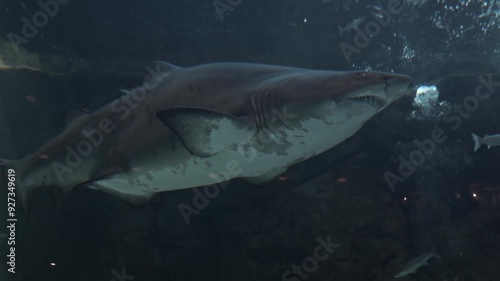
(205, 132)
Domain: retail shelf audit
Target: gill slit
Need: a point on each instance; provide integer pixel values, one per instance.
(256, 110)
(271, 109)
(259, 110)
(265, 110)
(262, 105)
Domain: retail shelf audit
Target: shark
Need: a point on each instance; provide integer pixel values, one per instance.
(413, 265)
(194, 126)
(488, 140)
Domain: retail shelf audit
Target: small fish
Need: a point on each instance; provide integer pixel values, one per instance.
(351, 26)
(413, 265)
(375, 7)
(125, 91)
(490, 141)
(341, 180)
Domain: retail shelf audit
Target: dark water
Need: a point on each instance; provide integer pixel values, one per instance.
(406, 183)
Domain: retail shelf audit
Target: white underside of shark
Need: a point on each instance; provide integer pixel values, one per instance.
(157, 174)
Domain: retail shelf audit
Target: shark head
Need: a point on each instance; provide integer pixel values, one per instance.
(382, 89)
(324, 105)
(333, 93)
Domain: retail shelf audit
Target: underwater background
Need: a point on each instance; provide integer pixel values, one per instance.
(374, 202)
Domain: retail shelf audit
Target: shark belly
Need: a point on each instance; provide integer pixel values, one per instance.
(178, 169)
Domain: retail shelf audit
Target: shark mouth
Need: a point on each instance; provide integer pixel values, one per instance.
(371, 100)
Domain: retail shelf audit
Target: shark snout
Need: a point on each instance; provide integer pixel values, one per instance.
(399, 81)
(397, 86)
(383, 89)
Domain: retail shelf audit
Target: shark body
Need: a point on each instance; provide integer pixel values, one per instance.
(195, 126)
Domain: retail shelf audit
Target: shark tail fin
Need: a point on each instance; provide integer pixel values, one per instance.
(10, 177)
(477, 141)
(3, 170)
